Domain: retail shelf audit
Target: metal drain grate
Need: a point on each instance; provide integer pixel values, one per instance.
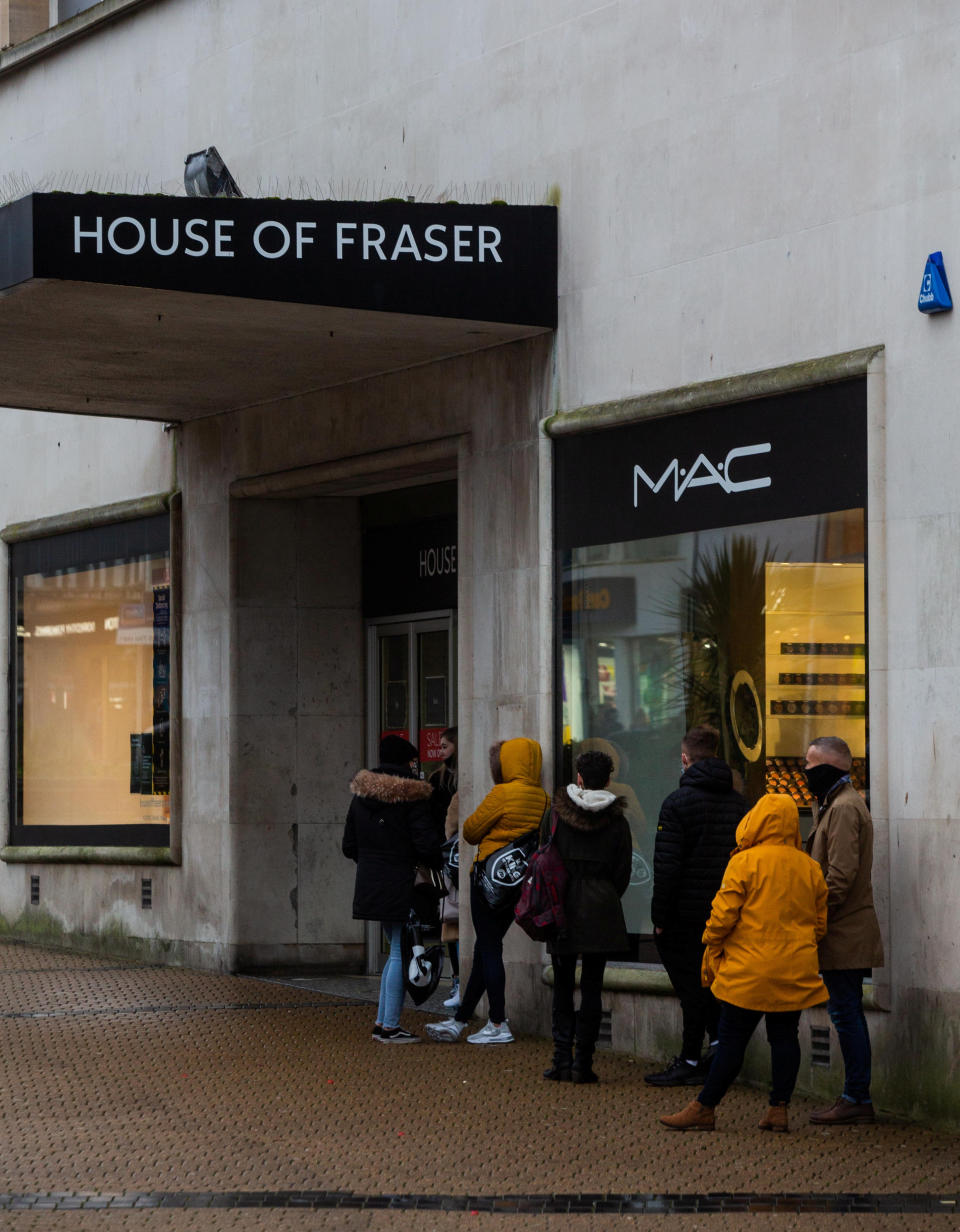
(605, 1034)
(34, 890)
(820, 1046)
(146, 891)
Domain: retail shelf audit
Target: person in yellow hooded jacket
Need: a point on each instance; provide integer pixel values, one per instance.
(512, 808)
(761, 957)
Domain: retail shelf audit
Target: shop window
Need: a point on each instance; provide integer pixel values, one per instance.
(23, 19)
(756, 626)
(91, 680)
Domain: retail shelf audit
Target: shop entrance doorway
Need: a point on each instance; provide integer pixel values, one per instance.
(411, 692)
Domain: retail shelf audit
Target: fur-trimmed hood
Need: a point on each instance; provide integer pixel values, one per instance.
(586, 818)
(389, 788)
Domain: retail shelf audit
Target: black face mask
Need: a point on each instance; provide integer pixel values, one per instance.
(821, 778)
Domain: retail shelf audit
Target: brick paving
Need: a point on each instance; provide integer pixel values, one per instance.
(151, 1097)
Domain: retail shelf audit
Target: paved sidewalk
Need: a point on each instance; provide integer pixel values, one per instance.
(155, 1098)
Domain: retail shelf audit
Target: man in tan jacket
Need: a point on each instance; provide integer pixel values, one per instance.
(841, 842)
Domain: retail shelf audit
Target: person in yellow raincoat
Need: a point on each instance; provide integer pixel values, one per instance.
(514, 807)
(761, 957)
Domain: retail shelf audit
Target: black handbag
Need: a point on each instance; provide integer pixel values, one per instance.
(500, 876)
(450, 851)
(428, 890)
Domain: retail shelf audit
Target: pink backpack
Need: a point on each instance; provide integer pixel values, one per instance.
(540, 910)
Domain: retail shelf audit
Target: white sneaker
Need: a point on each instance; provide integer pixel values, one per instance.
(446, 1032)
(491, 1034)
(453, 1001)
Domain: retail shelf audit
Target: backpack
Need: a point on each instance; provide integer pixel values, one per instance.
(540, 912)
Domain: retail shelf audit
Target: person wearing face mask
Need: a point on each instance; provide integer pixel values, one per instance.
(841, 842)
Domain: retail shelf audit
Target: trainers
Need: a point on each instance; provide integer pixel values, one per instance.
(492, 1034)
(679, 1073)
(453, 1001)
(446, 1032)
(377, 1031)
(397, 1035)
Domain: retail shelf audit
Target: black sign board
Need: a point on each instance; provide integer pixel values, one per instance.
(410, 567)
(780, 457)
(469, 262)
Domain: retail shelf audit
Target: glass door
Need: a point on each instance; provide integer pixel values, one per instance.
(411, 674)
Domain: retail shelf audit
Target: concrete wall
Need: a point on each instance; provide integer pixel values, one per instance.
(297, 730)
(273, 700)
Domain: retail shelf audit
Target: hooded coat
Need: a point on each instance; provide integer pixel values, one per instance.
(841, 842)
(513, 807)
(767, 917)
(695, 835)
(594, 841)
(389, 830)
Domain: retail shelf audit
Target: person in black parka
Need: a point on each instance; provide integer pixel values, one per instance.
(696, 833)
(390, 829)
(593, 838)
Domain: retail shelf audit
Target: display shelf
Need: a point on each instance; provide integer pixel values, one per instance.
(785, 776)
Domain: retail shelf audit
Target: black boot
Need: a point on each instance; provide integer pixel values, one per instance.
(563, 1027)
(582, 1070)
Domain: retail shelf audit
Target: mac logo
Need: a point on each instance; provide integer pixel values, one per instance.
(704, 472)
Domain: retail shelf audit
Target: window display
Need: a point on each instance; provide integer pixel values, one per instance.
(92, 615)
(706, 642)
(712, 568)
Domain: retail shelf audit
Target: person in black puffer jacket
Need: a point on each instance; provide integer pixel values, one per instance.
(593, 839)
(390, 829)
(695, 835)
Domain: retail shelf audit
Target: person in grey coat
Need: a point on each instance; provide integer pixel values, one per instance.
(593, 838)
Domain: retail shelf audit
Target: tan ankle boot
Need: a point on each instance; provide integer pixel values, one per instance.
(694, 1116)
(776, 1119)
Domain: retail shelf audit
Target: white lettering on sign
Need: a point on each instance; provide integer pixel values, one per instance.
(191, 230)
(435, 562)
(702, 473)
(96, 234)
(222, 237)
(271, 239)
(303, 238)
(174, 239)
(284, 242)
(131, 248)
(373, 237)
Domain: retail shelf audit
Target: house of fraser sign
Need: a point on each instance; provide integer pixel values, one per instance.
(493, 263)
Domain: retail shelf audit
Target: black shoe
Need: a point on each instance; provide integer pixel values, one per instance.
(582, 1069)
(396, 1035)
(557, 1073)
(678, 1073)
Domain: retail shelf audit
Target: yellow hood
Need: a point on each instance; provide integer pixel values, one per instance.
(773, 819)
(521, 761)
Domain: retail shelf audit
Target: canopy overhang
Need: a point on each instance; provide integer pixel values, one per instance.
(173, 308)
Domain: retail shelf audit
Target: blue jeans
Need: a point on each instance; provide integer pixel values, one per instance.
(736, 1027)
(391, 980)
(846, 1014)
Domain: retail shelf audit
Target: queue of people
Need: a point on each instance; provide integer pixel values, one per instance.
(750, 923)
